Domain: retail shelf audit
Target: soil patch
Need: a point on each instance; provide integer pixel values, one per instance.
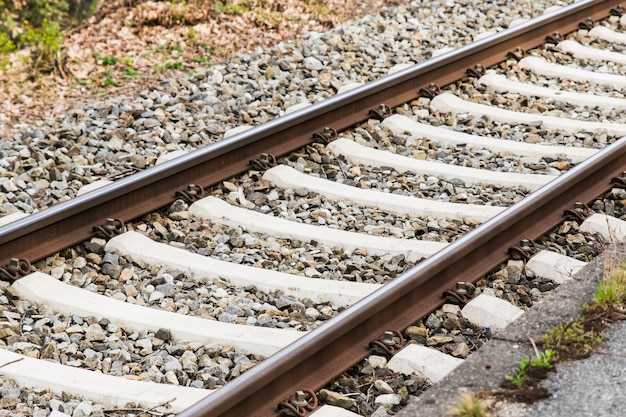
(571, 341)
(127, 46)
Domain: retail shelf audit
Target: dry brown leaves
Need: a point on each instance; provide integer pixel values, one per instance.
(129, 45)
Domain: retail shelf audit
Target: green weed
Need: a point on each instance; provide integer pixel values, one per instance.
(543, 360)
(174, 65)
(107, 60)
(110, 82)
(612, 289)
(44, 43)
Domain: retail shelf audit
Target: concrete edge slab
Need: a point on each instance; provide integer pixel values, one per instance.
(486, 368)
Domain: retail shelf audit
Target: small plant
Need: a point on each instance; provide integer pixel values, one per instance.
(469, 405)
(174, 65)
(543, 360)
(131, 73)
(44, 43)
(128, 61)
(612, 289)
(110, 82)
(202, 59)
(192, 34)
(177, 48)
(107, 60)
(228, 7)
(516, 379)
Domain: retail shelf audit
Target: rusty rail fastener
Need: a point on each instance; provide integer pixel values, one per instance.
(587, 24)
(111, 228)
(524, 251)
(461, 294)
(325, 136)
(16, 269)
(431, 91)
(477, 71)
(618, 11)
(192, 193)
(302, 402)
(381, 113)
(517, 54)
(388, 343)
(266, 161)
(619, 181)
(555, 38)
(580, 211)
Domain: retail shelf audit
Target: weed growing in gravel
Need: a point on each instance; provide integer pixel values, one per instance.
(469, 405)
(572, 340)
(612, 289)
(516, 379)
(105, 59)
(543, 361)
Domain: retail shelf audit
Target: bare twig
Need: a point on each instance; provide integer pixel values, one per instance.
(9, 363)
(151, 410)
(532, 342)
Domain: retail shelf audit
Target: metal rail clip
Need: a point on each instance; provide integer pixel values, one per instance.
(587, 24)
(524, 251)
(431, 91)
(461, 294)
(518, 53)
(111, 228)
(266, 161)
(16, 269)
(302, 402)
(381, 113)
(580, 211)
(388, 343)
(555, 38)
(477, 71)
(192, 193)
(325, 136)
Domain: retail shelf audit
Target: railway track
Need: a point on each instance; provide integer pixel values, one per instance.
(226, 250)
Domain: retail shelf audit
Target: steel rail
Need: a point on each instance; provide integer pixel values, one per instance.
(68, 223)
(316, 358)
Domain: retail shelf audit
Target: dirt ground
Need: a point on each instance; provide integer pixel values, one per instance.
(128, 45)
